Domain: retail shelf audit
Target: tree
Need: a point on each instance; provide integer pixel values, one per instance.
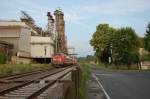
(101, 40)
(147, 38)
(125, 47)
(122, 45)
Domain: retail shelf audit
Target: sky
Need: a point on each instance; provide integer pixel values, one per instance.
(82, 16)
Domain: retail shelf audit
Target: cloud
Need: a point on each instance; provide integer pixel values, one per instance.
(83, 14)
(73, 17)
(113, 7)
(82, 48)
(80, 14)
(122, 7)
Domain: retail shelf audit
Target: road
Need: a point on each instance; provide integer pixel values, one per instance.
(124, 85)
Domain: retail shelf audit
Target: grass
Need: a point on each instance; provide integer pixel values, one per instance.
(85, 74)
(3, 58)
(8, 69)
(121, 68)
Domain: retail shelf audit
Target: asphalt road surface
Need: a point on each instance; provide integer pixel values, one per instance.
(124, 85)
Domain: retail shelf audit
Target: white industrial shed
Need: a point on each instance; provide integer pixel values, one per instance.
(18, 34)
(41, 47)
(26, 46)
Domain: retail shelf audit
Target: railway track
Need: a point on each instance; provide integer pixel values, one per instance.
(13, 76)
(31, 85)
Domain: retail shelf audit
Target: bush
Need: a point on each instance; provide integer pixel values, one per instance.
(85, 74)
(145, 57)
(9, 69)
(3, 58)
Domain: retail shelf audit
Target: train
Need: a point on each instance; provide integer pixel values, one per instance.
(62, 60)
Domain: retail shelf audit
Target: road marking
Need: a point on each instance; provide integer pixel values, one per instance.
(107, 96)
(120, 75)
(104, 74)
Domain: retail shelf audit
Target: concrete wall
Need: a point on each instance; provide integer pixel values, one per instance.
(41, 47)
(19, 37)
(24, 41)
(19, 60)
(41, 51)
(9, 32)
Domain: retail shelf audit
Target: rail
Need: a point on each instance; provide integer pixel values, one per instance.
(28, 87)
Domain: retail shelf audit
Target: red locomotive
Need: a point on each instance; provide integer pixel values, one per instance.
(61, 59)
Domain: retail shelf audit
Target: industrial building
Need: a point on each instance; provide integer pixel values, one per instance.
(18, 35)
(42, 48)
(24, 42)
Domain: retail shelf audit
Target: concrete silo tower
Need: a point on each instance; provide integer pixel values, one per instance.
(61, 42)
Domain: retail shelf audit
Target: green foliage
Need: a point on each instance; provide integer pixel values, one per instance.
(88, 58)
(85, 74)
(147, 38)
(145, 57)
(121, 45)
(81, 59)
(101, 40)
(125, 46)
(3, 58)
(8, 69)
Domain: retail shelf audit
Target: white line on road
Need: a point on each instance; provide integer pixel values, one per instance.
(104, 74)
(110, 75)
(107, 96)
